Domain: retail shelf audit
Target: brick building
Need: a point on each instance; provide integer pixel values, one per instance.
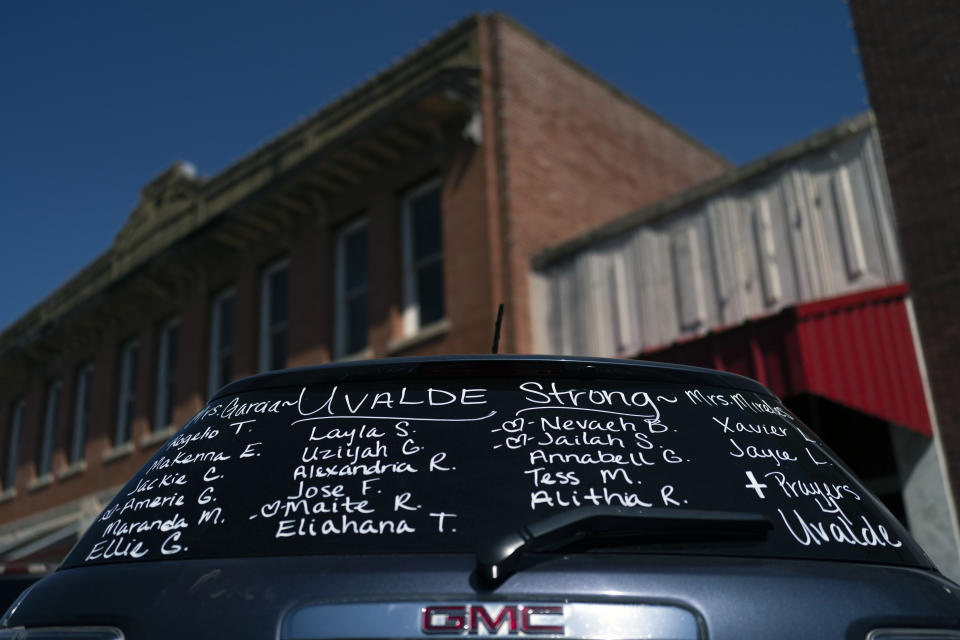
(911, 63)
(391, 222)
(789, 271)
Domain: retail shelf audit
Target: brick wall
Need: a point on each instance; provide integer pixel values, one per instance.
(310, 248)
(911, 60)
(574, 153)
(561, 152)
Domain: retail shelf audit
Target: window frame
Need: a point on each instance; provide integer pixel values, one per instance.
(268, 331)
(81, 413)
(343, 296)
(165, 390)
(126, 391)
(48, 429)
(14, 435)
(412, 323)
(216, 355)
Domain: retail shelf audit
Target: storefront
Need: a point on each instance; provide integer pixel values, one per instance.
(787, 271)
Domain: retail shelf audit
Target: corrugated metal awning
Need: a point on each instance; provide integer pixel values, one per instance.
(857, 350)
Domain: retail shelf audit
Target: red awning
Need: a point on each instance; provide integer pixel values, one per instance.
(857, 350)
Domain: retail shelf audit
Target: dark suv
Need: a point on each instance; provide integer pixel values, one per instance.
(463, 496)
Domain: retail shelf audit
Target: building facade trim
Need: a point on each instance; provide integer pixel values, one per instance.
(705, 190)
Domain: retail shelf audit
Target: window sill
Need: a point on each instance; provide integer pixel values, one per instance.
(157, 437)
(363, 354)
(8, 495)
(42, 482)
(430, 332)
(74, 469)
(117, 452)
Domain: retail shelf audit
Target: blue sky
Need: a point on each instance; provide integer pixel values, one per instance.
(96, 98)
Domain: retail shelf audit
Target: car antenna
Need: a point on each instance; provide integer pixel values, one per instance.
(496, 329)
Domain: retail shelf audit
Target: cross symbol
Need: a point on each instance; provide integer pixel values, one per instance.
(756, 486)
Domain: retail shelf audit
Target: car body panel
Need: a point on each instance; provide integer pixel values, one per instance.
(724, 589)
(734, 597)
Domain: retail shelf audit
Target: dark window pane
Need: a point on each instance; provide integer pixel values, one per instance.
(226, 364)
(129, 423)
(357, 324)
(125, 433)
(173, 340)
(278, 297)
(170, 379)
(45, 444)
(167, 417)
(430, 292)
(38, 452)
(12, 456)
(127, 393)
(134, 356)
(131, 391)
(226, 323)
(278, 349)
(427, 239)
(356, 259)
(78, 440)
(166, 384)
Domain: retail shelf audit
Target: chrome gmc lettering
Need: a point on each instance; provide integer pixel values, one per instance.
(477, 619)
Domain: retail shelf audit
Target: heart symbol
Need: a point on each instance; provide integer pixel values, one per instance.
(513, 426)
(516, 442)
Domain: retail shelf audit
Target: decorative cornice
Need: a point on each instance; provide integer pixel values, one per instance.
(177, 204)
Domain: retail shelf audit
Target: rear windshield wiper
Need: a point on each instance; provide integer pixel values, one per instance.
(593, 526)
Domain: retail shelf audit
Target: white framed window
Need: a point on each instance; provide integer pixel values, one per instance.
(222, 312)
(167, 347)
(81, 412)
(352, 322)
(48, 430)
(13, 445)
(273, 316)
(126, 391)
(422, 257)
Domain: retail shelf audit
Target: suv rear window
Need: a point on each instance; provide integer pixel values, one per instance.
(442, 465)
